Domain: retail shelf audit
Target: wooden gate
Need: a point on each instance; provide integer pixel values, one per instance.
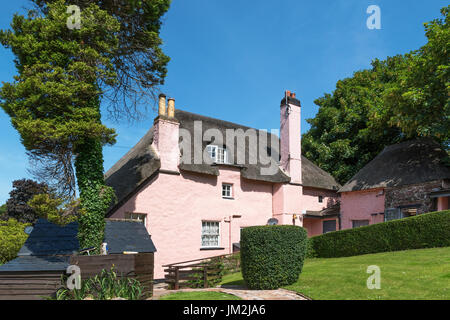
(198, 273)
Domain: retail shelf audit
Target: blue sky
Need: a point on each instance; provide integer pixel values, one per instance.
(234, 59)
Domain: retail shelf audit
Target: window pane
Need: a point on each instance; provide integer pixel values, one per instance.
(212, 151)
(217, 154)
(393, 214)
(210, 234)
(360, 223)
(227, 191)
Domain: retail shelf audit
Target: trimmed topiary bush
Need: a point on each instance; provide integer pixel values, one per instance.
(12, 238)
(429, 230)
(272, 256)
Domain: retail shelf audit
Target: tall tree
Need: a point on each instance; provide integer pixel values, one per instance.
(139, 62)
(420, 100)
(17, 205)
(342, 139)
(54, 102)
(400, 98)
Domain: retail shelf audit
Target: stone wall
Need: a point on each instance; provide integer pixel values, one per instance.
(412, 195)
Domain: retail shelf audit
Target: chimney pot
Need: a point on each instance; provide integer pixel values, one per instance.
(171, 108)
(162, 105)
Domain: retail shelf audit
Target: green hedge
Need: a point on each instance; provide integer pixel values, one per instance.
(272, 256)
(12, 238)
(424, 231)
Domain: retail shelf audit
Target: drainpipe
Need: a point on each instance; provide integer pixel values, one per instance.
(230, 219)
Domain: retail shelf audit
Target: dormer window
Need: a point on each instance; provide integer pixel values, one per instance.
(218, 154)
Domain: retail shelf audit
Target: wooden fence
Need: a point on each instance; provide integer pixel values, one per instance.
(138, 266)
(199, 272)
(29, 285)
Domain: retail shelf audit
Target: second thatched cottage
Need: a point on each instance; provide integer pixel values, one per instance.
(404, 180)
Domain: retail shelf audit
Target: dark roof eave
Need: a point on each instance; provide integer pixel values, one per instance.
(321, 217)
(199, 168)
(329, 188)
(440, 193)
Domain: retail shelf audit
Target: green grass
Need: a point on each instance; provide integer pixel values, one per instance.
(199, 295)
(234, 279)
(405, 275)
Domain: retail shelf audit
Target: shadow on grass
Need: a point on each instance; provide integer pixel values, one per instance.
(239, 283)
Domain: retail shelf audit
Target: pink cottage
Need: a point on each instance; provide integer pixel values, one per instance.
(195, 182)
(405, 179)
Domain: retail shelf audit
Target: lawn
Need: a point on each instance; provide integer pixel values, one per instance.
(410, 275)
(199, 295)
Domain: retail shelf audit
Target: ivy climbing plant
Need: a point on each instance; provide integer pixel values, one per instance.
(63, 75)
(54, 102)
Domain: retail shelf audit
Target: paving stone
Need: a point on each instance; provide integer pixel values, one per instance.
(243, 293)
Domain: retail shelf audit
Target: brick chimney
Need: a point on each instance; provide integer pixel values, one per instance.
(290, 137)
(166, 135)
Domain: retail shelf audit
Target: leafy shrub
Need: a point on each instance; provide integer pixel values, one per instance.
(424, 231)
(3, 210)
(54, 209)
(12, 238)
(272, 256)
(105, 286)
(310, 253)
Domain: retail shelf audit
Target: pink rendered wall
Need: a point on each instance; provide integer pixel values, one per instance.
(165, 141)
(310, 202)
(360, 205)
(287, 201)
(315, 226)
(176, 205)
(310, 199)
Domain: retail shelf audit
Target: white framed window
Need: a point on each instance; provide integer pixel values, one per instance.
(359, 223)
(227, 191)
(210, 234)
(141, 217)
(218, 154)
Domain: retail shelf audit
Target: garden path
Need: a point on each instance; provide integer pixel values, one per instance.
(241, 292)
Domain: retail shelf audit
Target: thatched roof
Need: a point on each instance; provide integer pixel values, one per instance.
(142, 162)
(134, 168)
(332, 211)
(315, 177)
(411, 162)
(248, 171)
